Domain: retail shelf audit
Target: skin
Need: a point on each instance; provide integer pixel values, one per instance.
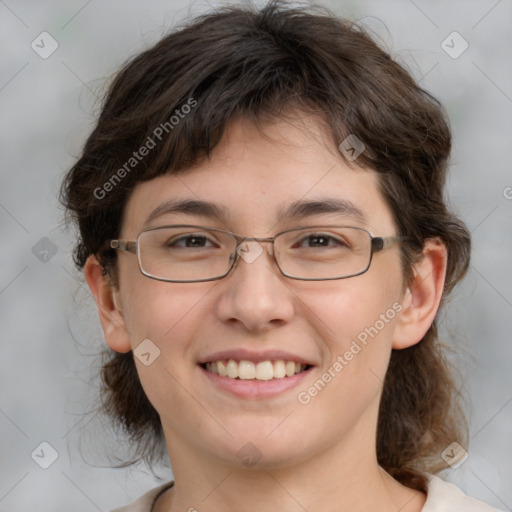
(315, 457)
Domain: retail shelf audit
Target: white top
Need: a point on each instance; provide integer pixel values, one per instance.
(441, 497)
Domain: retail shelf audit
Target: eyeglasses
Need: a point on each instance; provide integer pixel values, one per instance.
(188, 253)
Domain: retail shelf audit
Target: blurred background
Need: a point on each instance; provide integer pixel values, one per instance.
(56, 60)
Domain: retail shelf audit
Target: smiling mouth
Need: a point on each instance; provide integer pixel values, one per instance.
(247, 370)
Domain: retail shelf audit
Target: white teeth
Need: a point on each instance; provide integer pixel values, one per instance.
(265, 370)
(232, 369)
(221, 368)
(279, 369)
(247, 370)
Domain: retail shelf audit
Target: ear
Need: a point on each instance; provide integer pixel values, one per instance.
(422, 297)
(108, 302)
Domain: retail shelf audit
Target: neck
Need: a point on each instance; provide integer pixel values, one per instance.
(343, 479)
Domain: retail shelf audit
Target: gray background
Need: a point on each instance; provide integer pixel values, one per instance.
(49, 330)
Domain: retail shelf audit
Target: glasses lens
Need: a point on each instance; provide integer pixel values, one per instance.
(185, 253)
(323, 252)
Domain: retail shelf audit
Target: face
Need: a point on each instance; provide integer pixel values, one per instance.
(342, 329)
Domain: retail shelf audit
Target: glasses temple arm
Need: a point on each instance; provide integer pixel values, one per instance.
(380, 243)
(124, 245)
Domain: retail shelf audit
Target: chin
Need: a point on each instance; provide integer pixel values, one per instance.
(260, 451)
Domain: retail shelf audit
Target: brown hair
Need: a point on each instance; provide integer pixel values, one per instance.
(244, 62)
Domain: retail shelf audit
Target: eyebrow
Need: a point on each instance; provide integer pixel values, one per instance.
(301, 209)
(297, 210)
(191, 207)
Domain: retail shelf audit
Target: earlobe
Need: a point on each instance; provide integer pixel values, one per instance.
(422, 297)
(109, 306)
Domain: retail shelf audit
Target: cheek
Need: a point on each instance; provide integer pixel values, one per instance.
(356, 332)
(355, 319)
(163, 312)
(356, 328)
(347, 310)
(167, 314)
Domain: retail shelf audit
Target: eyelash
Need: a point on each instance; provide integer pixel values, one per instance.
(308, 237)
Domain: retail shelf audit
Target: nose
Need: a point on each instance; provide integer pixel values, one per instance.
(254, 294)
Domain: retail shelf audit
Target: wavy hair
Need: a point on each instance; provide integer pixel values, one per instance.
(257, 64)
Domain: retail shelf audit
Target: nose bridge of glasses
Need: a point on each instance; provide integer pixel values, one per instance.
(247, 245)
(258, 240)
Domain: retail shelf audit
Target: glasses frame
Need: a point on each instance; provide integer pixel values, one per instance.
(377, 244)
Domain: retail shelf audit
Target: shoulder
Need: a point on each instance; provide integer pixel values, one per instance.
(445, 497)
(442, 497)
(145, 502)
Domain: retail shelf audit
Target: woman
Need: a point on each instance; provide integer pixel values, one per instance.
(263, 229)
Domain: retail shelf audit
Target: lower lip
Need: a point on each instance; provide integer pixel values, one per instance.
(256, 389)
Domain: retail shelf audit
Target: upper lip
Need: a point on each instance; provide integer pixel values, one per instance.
(254, 356)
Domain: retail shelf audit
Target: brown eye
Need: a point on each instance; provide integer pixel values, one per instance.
(320, 240)
(189, 241)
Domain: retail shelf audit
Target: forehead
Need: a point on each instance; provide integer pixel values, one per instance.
(264, 178)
